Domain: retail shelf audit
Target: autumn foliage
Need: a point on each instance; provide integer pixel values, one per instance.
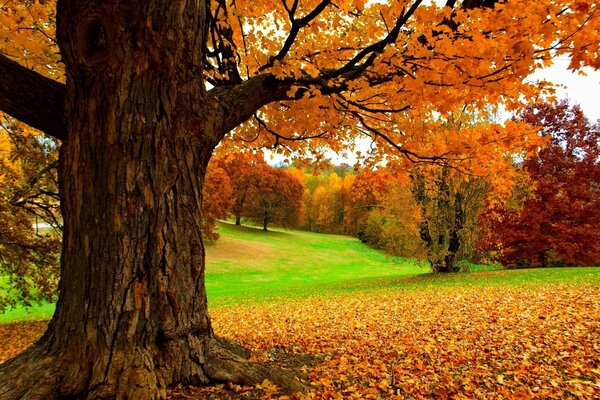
(464, 342)
(558, 222)
(28, 197)
(217, 199)
(152, 87)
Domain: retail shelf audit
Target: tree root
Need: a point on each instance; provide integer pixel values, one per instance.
(30, 375)
(225, 366)
(36, 374)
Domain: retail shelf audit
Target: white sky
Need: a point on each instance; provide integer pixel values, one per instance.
(583, 90)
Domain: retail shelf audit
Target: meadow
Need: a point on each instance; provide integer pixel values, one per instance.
(353, 322)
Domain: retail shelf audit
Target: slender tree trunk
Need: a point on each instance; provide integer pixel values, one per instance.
(265, 223)
(132, 316)
(238, 220)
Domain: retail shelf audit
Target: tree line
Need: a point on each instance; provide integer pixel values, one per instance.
(550, 215)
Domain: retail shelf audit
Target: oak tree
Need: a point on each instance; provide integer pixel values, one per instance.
(152, 87)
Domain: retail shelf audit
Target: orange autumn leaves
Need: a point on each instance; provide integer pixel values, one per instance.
(436, 343)
(27, 35)
(527, 342)
(440, 59)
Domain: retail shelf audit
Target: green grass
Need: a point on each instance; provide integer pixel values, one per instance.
(248, 265)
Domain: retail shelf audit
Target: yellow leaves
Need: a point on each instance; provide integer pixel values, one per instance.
(26, 32)
(326, 382)
(267, 386)
(17, 337)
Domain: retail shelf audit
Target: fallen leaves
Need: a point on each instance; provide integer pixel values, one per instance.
(15, 338)
(434, 342)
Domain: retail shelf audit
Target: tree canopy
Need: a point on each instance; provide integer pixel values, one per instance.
(152, 87)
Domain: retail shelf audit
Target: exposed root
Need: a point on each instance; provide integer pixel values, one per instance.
(234, 347)
(225, 366)
(37, 374)
(30, 375)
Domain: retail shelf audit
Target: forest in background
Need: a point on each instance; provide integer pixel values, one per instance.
(545, 213)
(542, 209)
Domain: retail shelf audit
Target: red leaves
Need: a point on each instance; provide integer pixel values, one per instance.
(560, 223)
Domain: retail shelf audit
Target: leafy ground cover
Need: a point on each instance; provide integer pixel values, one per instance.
(517, 341)
(374, 327)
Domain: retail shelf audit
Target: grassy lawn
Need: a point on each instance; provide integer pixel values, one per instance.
(249, 266)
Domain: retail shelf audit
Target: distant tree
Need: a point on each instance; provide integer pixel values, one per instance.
(241, 167)
(560, 222)
(368, 192)
(29, 254)
(275, 198)
(450, 205)
(217, 199)
(327, 199)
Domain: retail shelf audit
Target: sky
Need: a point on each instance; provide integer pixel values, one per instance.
(583, 90)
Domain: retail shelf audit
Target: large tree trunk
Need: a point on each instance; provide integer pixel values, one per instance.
(132, 316)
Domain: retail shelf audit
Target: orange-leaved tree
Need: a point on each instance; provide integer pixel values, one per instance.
(217, 199)
(153, 86)
(242, 169)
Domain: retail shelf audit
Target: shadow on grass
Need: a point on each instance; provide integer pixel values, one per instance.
(252, 230)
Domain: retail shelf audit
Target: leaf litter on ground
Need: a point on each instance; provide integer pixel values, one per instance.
(518, 342)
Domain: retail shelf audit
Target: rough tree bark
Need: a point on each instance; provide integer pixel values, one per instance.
(132, 316)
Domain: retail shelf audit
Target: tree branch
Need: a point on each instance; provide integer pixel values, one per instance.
(297, 25)
(32, 98)
(240, 102)
(376, 48)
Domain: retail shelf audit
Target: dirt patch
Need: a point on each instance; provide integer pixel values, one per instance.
(230, 249)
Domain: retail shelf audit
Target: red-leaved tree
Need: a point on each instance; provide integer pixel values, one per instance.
(217, 199)
(276, 197)
(560, 222)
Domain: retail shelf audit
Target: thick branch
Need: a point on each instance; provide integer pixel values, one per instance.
(240, 102)
(32, 98)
